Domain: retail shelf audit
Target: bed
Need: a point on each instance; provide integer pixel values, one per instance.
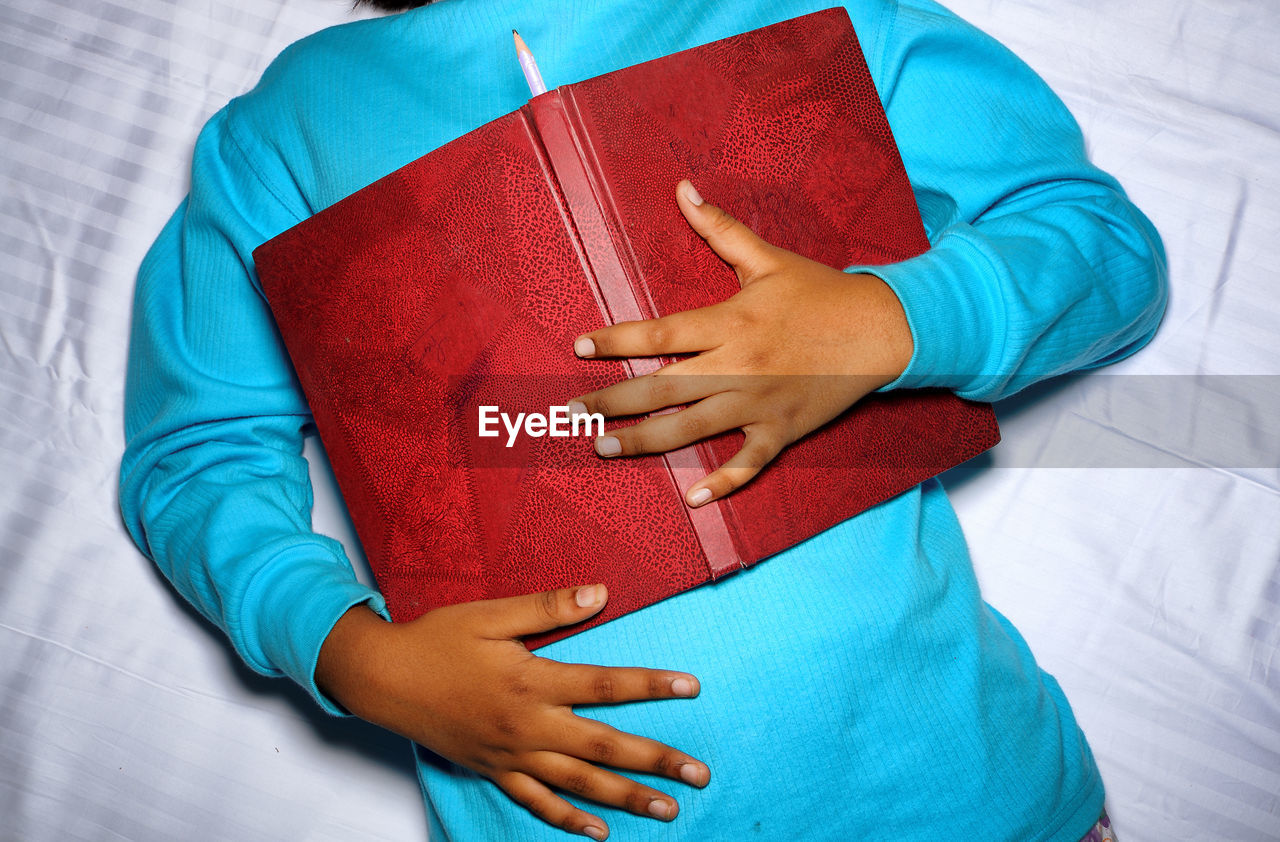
(1129, 524)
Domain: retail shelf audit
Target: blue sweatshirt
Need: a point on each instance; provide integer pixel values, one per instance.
(855, 686)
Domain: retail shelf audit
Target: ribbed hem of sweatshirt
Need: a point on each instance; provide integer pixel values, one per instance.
(955, 321)
(1078, 822)
(296, 600)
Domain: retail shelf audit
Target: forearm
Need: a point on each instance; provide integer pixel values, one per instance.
(223, 510)
(1039, 263)
(997, 304)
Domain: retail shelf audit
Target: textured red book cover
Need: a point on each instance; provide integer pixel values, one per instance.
(459, 282)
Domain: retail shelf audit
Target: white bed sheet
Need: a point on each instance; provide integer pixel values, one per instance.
(1129, 525)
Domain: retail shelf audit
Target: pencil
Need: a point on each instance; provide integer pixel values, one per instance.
(529, 66)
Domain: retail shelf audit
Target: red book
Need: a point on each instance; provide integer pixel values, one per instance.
(461, 280)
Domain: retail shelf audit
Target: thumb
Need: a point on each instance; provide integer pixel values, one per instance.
(737, 244)
(517, 616)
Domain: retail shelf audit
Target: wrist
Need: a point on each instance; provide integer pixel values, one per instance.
(899, 343)
(955, 316)
(346, 667)
(884, 333)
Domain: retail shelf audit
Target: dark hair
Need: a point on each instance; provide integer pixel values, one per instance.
(392, 5)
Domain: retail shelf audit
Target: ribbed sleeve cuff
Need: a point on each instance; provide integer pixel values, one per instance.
(953, 312)
(295, 602)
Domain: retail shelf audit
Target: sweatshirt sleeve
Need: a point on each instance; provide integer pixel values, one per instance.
(1039, 263)
(213, 484)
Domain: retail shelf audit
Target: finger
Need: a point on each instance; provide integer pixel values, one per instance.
(589, 684)
(673, 430)
(638, 395)
(597, 742)
(517, 616)
(758, 449)
(585, 780)
(686, 332)
(749, 255)
(538, 799)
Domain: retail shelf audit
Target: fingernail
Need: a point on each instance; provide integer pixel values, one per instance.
(682, 687)
(692, 774)
(691, 193)
(697, 498)
(584, 347)
(595, 832)
(577, 408)
(589, 596)
(608, 446)
(660, 809)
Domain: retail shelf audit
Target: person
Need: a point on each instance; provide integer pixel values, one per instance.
(855, 685)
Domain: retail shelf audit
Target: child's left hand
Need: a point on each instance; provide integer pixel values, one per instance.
(801, 343)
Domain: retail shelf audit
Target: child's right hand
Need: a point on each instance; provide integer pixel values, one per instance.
(458, 681)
